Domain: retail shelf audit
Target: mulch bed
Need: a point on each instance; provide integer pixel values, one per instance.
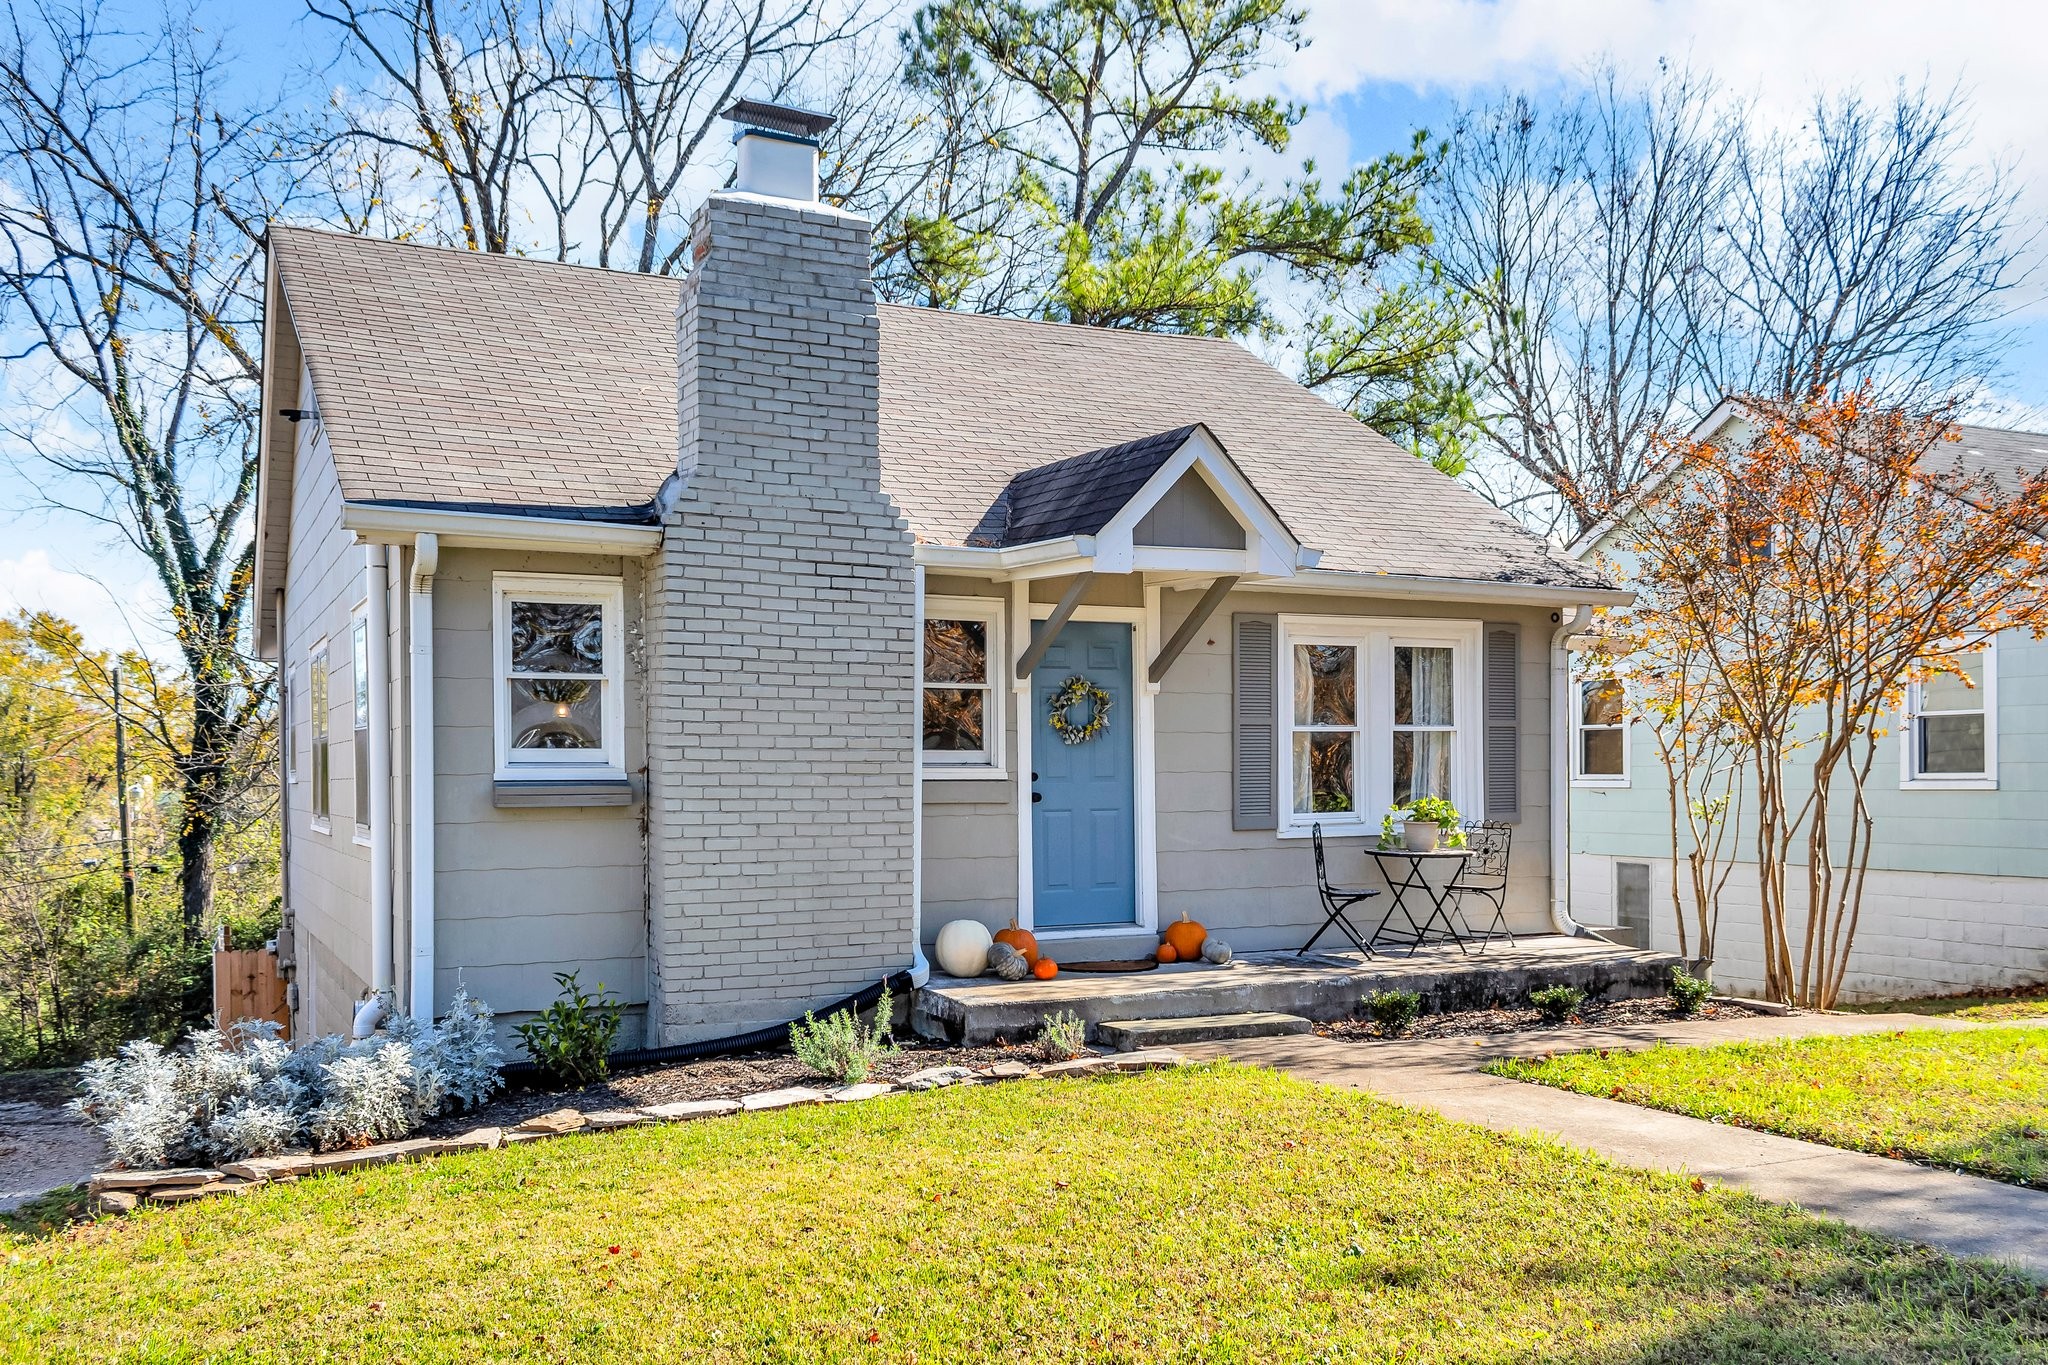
(712, 1078)
(1593, 1014)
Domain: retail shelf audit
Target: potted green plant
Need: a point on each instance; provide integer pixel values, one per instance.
(1429, 822)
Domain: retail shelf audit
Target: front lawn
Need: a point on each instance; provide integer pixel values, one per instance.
(1995, 1008)
(1212, 1214)
(1976, 1100)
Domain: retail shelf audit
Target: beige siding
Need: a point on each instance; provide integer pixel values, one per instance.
(1252, 887)
(521, 894)
(327, 882)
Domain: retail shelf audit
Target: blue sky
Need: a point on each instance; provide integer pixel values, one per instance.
(1375, 70)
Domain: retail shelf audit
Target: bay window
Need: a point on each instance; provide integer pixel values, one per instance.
(962, 727)
(560, 711)
(1376, 714)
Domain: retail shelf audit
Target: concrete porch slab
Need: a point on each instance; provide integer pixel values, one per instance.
(1319, 986)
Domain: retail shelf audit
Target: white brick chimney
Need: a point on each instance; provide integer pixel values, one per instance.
(780, 619)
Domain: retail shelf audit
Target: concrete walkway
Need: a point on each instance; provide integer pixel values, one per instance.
(1964, 1215)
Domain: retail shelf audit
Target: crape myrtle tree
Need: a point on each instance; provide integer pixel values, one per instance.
(1794, 582)
(129, 293)
(1635, 254)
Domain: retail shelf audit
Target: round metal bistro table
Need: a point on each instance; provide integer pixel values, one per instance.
(1407, 876)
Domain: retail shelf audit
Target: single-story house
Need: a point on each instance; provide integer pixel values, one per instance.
(1957, 896)
(701, 636)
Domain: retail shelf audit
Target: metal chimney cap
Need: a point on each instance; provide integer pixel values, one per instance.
(780, 118)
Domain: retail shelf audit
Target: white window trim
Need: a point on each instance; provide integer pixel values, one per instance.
(289, 706)
(1581, 778)
(359, 711)
(1910, 776)
(320, 824)
(609, 593)
(993, 763)
(1375, 638)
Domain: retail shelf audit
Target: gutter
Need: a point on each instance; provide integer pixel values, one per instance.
(426, 558)
(1442, 589)
(920, 970)
(1561, 773)
(497, 531)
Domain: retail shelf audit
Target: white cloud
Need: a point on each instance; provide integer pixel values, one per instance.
(112, 614)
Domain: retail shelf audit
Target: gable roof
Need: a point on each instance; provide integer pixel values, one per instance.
(457, 380)
(1075, 496)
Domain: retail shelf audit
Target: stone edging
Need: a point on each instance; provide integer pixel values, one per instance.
(120, 1191)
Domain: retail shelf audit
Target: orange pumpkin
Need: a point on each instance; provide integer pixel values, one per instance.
(1186, 937)
(1045, 969)
(1021, 940)
(1166, 953)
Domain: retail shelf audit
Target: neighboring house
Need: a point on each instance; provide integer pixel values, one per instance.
(1957, 898)
(699, 635)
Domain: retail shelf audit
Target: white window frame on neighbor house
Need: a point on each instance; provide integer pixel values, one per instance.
(319, 736)
(990, 761)
(1986, 697)
(288, 723)
(359, 731)
(1580, 777)
(1375, 639)
(560, 765)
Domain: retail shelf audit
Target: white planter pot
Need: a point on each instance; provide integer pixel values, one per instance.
(1420, 836)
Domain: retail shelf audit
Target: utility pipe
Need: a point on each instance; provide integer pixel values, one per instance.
(377, 770)
(426, 558)
(920, 970)
(1561, 772)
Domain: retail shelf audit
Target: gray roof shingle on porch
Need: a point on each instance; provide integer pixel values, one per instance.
(1076, 496)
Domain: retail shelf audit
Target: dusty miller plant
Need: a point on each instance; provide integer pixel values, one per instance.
(842, 1047)
(1063, 1036)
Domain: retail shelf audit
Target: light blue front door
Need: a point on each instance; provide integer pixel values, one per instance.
(1084, 866)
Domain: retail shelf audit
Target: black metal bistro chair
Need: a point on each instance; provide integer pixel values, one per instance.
(1336, 900)
(1486, 876)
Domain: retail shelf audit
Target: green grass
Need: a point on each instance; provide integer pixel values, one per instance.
(2002, 1007)
(1976, 1100)
(47, 1212)
(1212, 1214)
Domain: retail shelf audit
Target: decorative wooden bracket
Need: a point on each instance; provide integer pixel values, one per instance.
(1054, 624)
(1197, 618)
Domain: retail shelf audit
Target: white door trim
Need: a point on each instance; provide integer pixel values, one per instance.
(1145, 840)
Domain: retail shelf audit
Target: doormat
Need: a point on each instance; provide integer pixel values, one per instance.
(1130, 964)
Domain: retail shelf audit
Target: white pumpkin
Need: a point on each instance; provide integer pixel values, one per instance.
(962, 948)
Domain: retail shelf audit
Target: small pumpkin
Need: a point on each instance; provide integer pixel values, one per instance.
(1166, 953)
(1021, 940)
(1215, 950)
(1185, 937)
(1007, 963)
(1045, 969)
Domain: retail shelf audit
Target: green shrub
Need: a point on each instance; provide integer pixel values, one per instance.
(1557, 1003)
(1689, 992)
(840, 1046)
(1063, 1036)
(1394, 1011)
(571, 1040)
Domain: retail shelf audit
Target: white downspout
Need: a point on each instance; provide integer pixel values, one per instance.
(383, 968)
(426, 558)
(1561, 773)
(920, 970)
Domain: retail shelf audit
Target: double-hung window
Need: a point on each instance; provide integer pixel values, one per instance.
(1376, 714)
(1951, 733)
(1600, 740)
(317, 712)
(963, 720)
(559, 645)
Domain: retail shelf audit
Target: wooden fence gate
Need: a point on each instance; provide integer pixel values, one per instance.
(248, 985)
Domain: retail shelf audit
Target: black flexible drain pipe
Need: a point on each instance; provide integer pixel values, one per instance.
(775, 1035)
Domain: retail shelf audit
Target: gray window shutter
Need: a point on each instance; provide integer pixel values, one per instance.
(1503, 721)
(1255, 674)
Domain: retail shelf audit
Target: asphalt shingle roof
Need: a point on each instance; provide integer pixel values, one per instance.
(1077, 496)
(455, 379)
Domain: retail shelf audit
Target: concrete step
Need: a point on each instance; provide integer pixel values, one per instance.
(1126, 1035)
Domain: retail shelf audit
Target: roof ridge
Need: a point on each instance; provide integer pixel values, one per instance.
(470, 254)
(1074, 329)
